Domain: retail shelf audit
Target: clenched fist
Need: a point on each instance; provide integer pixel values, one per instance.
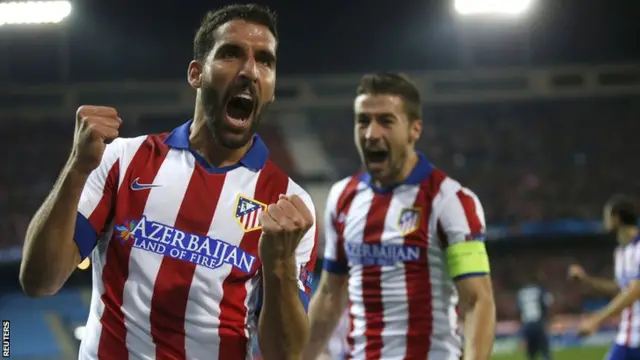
(576, 272)
(283, 226)
(96, 126)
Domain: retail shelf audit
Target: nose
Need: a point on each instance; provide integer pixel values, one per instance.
(249, 71)
(373, 131)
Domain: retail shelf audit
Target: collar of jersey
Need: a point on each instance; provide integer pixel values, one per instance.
(420, 172)
(254, 159)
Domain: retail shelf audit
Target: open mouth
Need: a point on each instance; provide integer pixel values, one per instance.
(239, 109)
(376, 156)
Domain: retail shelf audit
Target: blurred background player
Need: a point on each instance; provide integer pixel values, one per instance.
(404, 242)
(534, 303)
(620, 217)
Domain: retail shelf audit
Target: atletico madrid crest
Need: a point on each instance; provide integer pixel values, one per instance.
(248, 213)
(409, 220)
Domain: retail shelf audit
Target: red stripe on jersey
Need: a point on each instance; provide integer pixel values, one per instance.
(173, 282)
(100, 214)
(233, 312)
(469, 206)
(417, 275)
(129, 206)
(371, 276)
(342, 208)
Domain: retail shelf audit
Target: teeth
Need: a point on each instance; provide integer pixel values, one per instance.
(245, 96)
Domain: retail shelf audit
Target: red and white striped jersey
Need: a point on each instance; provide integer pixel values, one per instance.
(392, 243)
(174, 246)
(627, 268)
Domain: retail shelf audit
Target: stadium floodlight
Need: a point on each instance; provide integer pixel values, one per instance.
(492, 7)
(34, 12)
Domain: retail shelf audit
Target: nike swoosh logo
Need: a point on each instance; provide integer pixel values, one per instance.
(136, 186)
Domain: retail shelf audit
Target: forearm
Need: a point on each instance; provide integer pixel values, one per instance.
(479, 329)
(50, 254)
(283, 327)
(601, 285)
(324, 314)
(623, 300)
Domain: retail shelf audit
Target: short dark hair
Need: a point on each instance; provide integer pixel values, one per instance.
(624, 208)
(393, 84)
(258, 14)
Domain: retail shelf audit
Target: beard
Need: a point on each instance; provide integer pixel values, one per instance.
(214, 105)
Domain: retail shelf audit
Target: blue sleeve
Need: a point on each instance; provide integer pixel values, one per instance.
(335, 267)
(85, 236)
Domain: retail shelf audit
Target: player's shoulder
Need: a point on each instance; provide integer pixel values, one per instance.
(445, 185)
(449, 191)
(341, 185)
(349, 183)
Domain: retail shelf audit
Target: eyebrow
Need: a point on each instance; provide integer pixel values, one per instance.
(382, 114)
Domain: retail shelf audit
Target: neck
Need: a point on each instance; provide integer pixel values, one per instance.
(627, 234)
(205, 144)
(399, 176)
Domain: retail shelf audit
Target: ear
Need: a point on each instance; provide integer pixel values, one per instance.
(415, 130)
(194, 74)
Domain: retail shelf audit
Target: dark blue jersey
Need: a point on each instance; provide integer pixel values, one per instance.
(533, 304)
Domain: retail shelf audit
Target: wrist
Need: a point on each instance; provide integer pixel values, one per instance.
(75, 168)
(280, 268)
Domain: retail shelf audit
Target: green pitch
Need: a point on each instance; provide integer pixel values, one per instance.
(586, 353)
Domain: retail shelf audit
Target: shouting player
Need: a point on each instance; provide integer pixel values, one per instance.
(194, 235)
(404, 243)
(621, 218)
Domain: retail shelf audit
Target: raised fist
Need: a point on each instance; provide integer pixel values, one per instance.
(283, 226)
(576, 272)
(96, 126)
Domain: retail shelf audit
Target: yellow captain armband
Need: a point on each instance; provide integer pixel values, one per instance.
(468, 257)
